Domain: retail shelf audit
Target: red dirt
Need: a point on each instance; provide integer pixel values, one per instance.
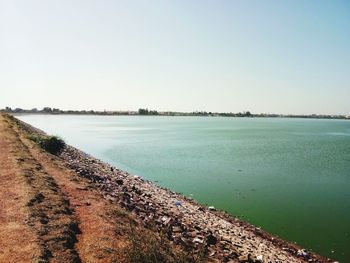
(97, 241)
(48, 213)
(18, 242)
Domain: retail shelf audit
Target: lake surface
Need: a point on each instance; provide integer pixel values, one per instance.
(289, 176)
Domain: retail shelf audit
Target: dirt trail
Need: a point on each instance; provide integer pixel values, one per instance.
(48, 213)
(97, 241)
(14, 195)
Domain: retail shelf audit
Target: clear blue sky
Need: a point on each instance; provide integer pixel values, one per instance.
(263, 56)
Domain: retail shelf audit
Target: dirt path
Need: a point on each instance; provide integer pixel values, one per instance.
(97, 241)
(14, 214)
(48, 213)
(47, 218)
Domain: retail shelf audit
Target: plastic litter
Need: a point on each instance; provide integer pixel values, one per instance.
(302, 252)
(178, 203)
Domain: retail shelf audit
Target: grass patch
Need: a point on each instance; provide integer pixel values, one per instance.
(149, 247)
(51, 144)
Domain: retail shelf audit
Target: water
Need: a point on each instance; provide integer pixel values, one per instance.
(289, 176)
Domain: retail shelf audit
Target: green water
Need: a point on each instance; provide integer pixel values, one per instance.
(289, 176)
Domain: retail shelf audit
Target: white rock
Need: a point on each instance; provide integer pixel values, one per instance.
(260, 257)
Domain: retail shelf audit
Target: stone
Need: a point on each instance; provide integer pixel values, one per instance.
(119, 181)
(167, 221)
(243, 258)
(260, 257)
(211, 239)
(198, 240)
(177, 229)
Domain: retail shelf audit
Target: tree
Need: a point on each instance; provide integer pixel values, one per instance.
(153, 112)
(247, 114)
(143, 111)
(17, 110)
(47, 109)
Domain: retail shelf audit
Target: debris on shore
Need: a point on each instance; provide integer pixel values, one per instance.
(184, 221)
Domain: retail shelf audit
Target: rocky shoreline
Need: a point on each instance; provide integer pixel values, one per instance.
(222, 237)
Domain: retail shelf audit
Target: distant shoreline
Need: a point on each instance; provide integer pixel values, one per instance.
(146, 112)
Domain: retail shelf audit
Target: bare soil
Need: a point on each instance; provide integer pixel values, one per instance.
(49, 213)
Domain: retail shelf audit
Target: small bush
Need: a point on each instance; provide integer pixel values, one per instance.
(52, 144)
(35, 137)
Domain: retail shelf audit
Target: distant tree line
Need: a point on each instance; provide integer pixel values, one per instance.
(49, 110)
(145, 111)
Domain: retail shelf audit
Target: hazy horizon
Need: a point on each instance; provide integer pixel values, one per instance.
(40, 109)
(290, 57)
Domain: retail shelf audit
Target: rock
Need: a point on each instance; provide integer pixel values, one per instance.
(191, 234)
(119, 181)
(246, 258)
(199, 208)
(167, 221)
(260, 258)
(243, 258)
(197, 228)
(126, 195)
(177, 229)
(211, 239)
(198, 240)
(130, 206)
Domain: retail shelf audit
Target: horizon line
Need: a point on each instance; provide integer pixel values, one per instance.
(146, 111)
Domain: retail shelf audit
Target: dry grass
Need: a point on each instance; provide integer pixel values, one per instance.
(147, 245)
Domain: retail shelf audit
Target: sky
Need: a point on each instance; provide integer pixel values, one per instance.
(290, 57)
